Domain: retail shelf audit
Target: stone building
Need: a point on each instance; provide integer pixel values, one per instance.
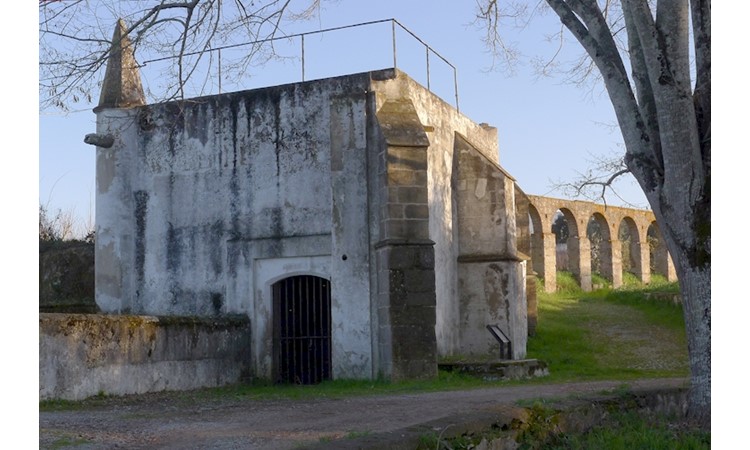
(363, 224)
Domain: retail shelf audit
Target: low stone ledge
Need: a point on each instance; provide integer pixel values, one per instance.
(81, 355)
(499, 370)
(674, 297)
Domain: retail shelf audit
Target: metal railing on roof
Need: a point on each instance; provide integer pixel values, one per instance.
(394, 23)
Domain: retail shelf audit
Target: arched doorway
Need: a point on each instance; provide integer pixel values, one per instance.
(302, 329)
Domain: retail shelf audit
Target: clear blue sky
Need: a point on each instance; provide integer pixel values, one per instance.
(548, 129)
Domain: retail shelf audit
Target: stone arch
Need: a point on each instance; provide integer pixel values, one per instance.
(634, 260)
(543, 250)
(661, 262)
(636, 225)
(535, 221)
(578, 251)
(570, 217)
(598, 233)
(559, 227)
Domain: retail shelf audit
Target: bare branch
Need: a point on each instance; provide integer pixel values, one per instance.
(643, 88)
(490, 17)
(75, 41)
(598, 181)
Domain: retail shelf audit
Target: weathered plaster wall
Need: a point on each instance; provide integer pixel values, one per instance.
(84, 355)
(114, 282)
(199, 194)
(242, 166)
(351, 214)
(489, 296)
(525, 251)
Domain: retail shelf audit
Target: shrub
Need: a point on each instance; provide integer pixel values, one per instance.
(63, 226)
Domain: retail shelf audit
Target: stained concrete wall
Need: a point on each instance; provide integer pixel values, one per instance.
(81, 355)
(206, 203)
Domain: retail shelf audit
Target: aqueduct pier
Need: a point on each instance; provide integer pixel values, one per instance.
(644, 241)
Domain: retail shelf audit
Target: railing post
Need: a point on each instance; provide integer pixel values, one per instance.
(393, 31)
(303, 57)
(427, 52)
(455, 87)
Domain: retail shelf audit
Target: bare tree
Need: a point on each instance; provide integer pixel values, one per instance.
(662, 99)
(75, 38)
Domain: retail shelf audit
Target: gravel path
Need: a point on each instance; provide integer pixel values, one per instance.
(164, 422)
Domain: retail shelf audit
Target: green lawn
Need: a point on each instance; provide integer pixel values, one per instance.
(609, 334)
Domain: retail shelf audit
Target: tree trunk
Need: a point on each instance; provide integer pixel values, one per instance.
(692, 261)
(695, 286)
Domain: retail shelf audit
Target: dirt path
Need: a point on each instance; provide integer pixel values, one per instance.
(163, 421)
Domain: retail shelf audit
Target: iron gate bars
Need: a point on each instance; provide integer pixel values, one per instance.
(302, 329)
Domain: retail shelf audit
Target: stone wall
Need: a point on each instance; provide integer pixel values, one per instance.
(443, 125)
(81, 355)
(425, 132)
(491, 272)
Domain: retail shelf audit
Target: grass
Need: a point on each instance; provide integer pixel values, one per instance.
(599, 280)
(629, 280)
(347, 388)
(608, 334)
(67, 440)
(620, 430)
(566, 284)
(630, 430)
(358, 434)
(269, 391)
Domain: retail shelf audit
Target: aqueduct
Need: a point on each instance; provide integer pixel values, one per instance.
(595, 227)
